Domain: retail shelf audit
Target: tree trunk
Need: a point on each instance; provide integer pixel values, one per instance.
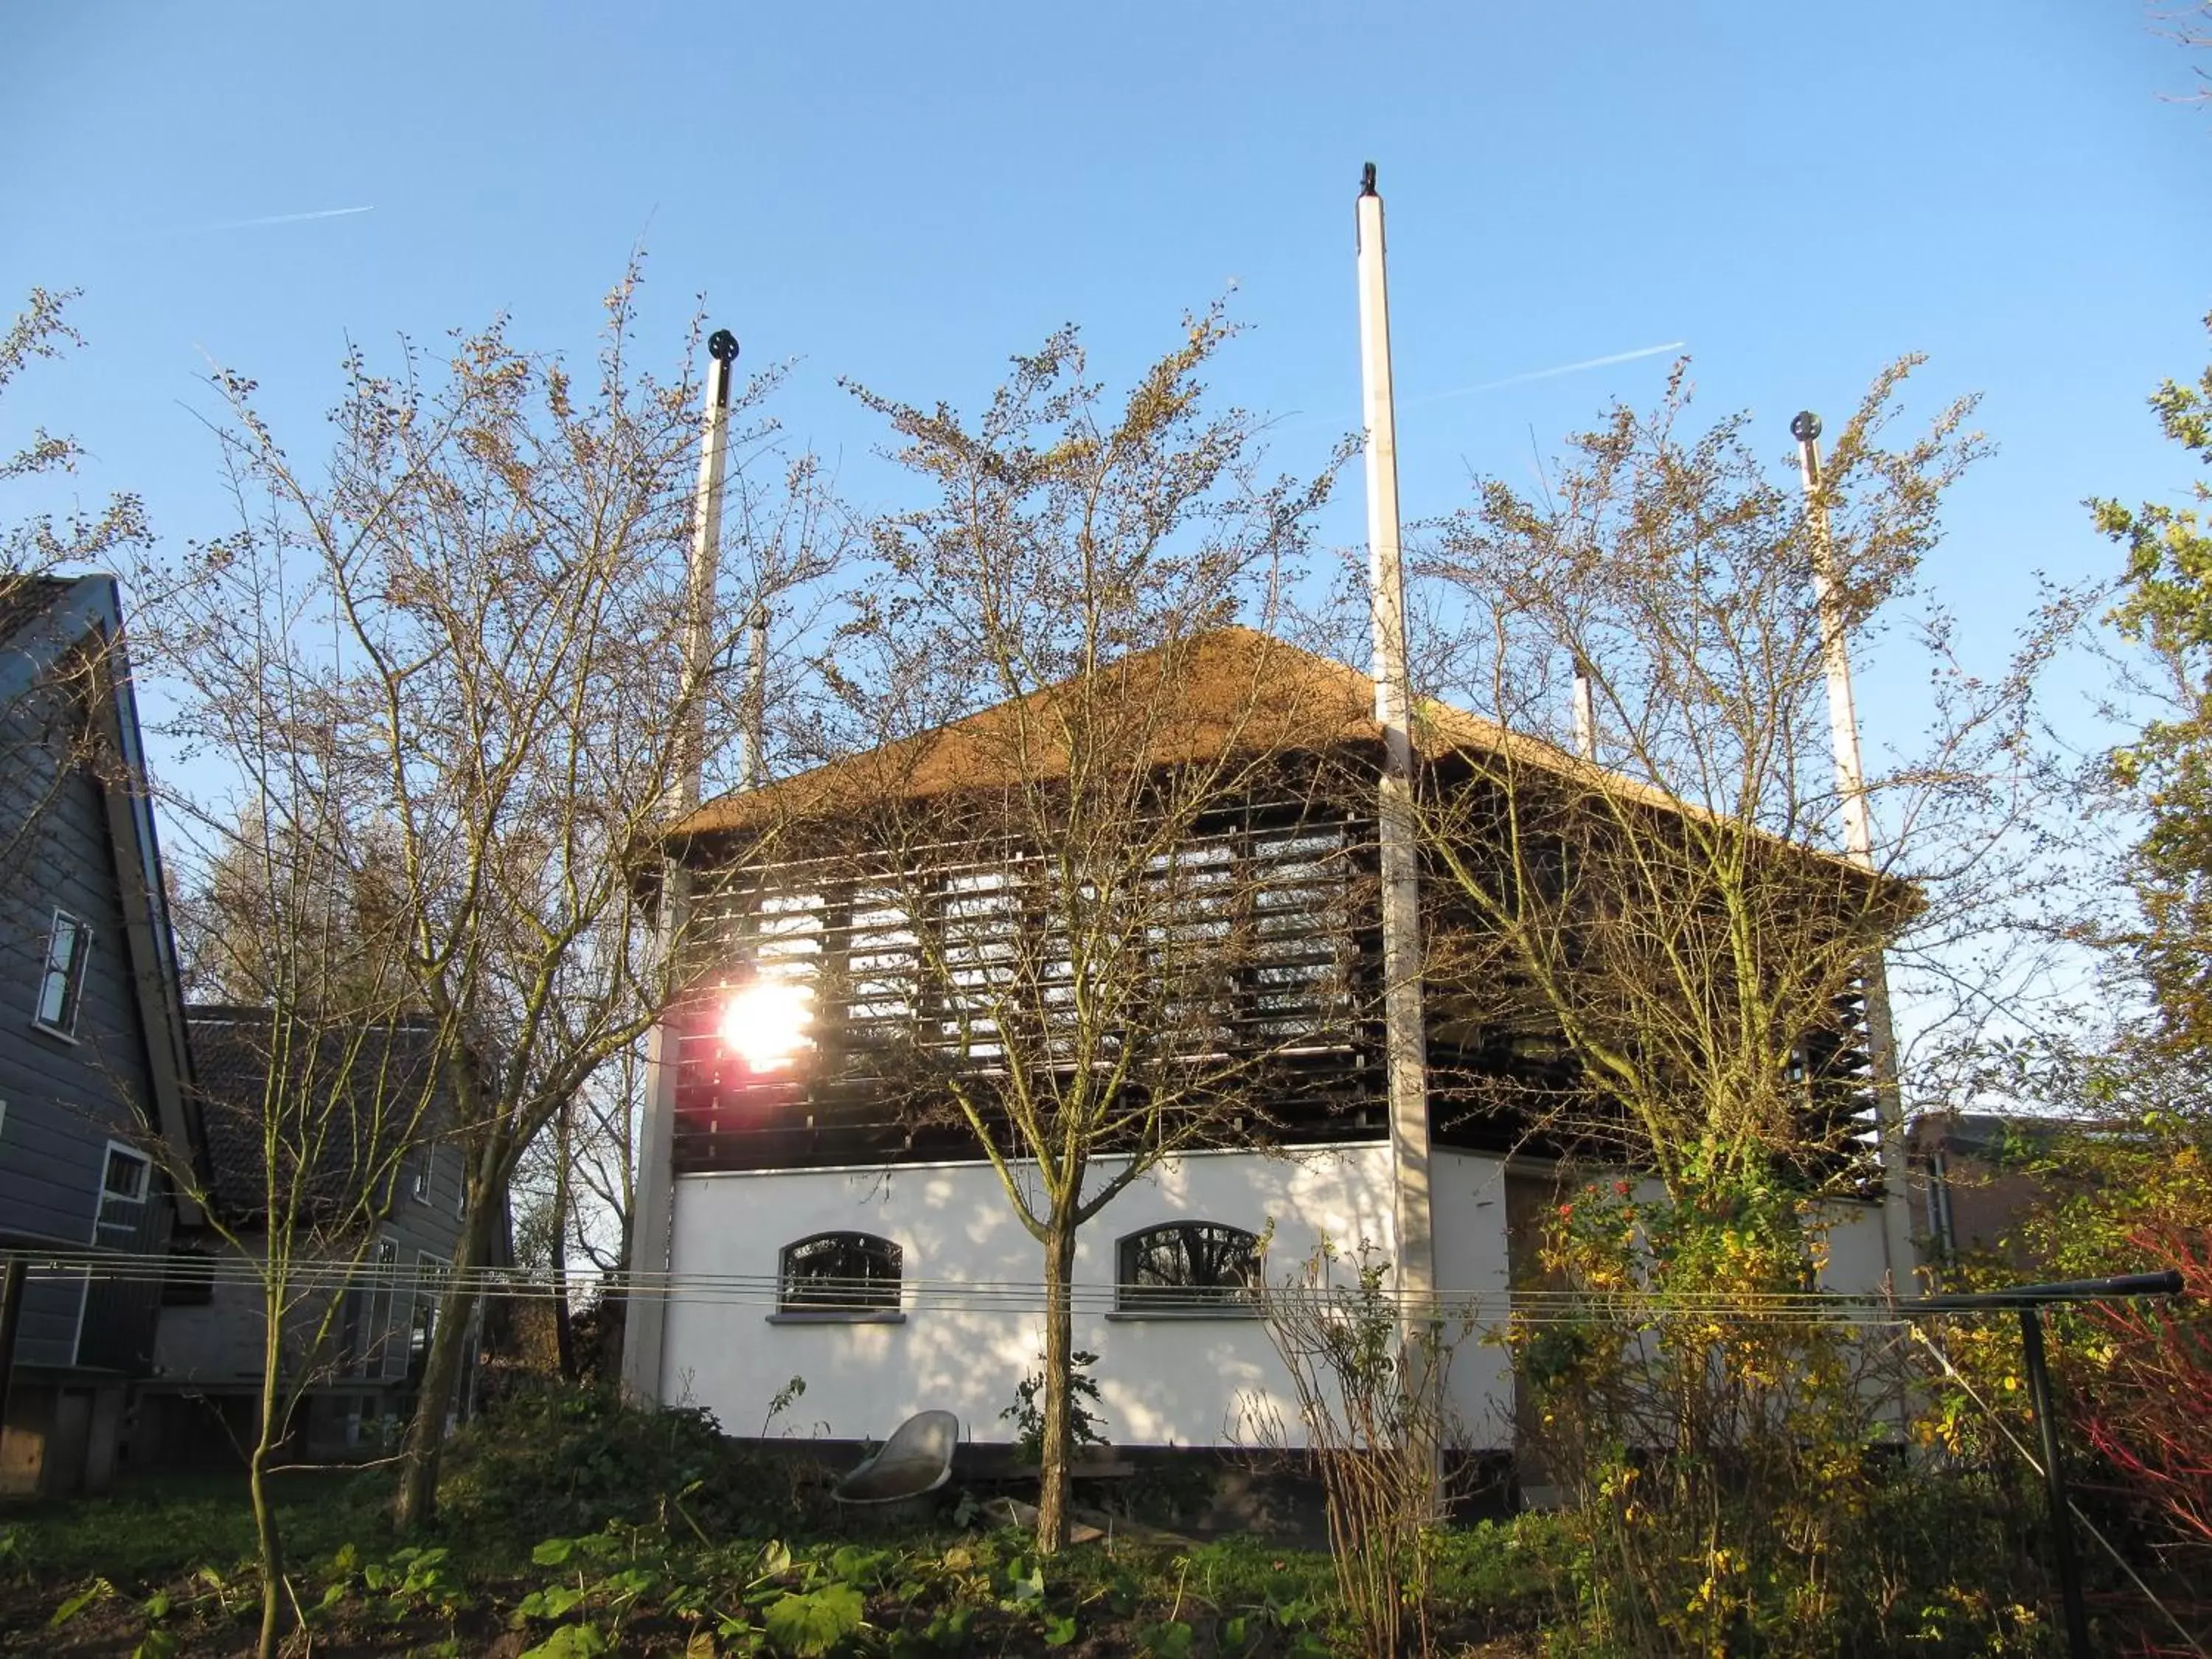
(1059, 1369)
(417, 1506)
(564, 1324)
(268, 1543)
(608, 1317)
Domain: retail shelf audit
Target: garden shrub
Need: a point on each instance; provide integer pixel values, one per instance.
(1732, 1455)
(1372, 1406)
(2122, 1193)
(570, 1459)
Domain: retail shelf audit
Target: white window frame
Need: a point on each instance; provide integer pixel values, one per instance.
(374, 1361)
(145, 1167)
(431, 1273)
(420, 1169)
(461, 1188)
(64, 1023)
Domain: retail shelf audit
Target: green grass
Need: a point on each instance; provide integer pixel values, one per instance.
(646, 1588)
(154, 1527)
(570, 1519)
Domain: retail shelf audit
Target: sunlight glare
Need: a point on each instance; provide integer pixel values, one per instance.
(764, 1024)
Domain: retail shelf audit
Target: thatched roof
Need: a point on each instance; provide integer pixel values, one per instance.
(1229, 688)
(1226, 691)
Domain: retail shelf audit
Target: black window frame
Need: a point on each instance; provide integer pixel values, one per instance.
(1236, 1293)
(188, 1277)
(879, 1287)
(67, 972)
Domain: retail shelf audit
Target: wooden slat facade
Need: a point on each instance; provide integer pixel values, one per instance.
(1259, 929)
(1285, 884)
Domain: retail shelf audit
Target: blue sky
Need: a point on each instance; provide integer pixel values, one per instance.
(908, 194)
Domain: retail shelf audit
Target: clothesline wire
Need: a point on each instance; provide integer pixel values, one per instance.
(305, 1276)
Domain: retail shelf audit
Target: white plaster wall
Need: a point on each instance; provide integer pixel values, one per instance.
(1164, 1380)
(971, 1328)
(1855, 1265)
(1473, 1279)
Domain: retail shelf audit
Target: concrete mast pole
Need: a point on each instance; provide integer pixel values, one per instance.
(752, 757)
(1898, 1251)
(644, 1317)
(1585, 708)
(1405, 1036)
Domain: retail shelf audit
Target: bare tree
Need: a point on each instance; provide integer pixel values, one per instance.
(43, 541)
(572, 1194)
(2188, 25)
(1662, 946)
(588, 1180)
(481, 608)
(557, 1189)
(48, 725)
(314, 1091)
(603, 1161)
(1084, 928)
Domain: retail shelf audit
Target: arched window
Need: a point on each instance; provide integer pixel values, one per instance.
(840, 1273)
(1187, 1265)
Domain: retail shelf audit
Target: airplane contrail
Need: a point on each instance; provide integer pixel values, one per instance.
(282, 219)
(1545, 373)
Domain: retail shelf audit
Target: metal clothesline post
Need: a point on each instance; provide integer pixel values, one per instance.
(2054, 1483)
(2028, 1301)
(1405, 1032)
(1858, 844)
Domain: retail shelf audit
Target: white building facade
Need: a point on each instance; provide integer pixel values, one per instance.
(882, 939)
(965, 1325)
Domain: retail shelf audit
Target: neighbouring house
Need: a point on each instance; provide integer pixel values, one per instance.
(818, 1227)
(1973, 1185)
(371, 1115)
(92, 1067)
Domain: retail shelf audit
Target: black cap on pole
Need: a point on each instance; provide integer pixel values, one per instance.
(722, 347)
(1367, 180)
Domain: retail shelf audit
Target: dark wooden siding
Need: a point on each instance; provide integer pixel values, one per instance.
(122, 1305)
(1307, 1004)
(219, 1343)
(67, 1098)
